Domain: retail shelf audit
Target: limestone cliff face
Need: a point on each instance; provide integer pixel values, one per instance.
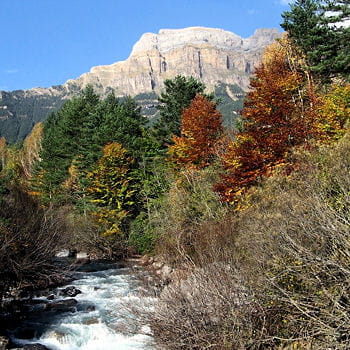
(211, 55)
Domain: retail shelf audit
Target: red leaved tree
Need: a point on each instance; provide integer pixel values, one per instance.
(278, 115)
(201, 128)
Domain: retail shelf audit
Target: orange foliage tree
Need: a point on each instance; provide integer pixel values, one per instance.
(201, 127)
(278, 115)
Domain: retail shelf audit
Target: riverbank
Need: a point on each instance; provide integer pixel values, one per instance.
(81, 314)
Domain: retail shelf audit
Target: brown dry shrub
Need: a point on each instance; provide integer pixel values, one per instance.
(211, 309)
(189, 204)
(86, 236)
(29, 238)
(275, 275)
(299, 229)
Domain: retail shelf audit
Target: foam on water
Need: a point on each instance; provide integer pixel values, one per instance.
(99, 312)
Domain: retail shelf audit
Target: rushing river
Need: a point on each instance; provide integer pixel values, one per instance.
(96, 318)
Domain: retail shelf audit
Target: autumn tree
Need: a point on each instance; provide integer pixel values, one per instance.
(277, 116)
(201, 128)
(333, 112)
(113, 190)
(177, 95)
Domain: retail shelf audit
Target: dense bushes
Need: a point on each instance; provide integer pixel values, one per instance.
(274, 274)
(29, 238)
(305, 252)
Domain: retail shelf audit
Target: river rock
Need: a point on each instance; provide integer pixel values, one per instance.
(91, 321)
(24, 333)
(70, 291)
(36, 346)
(3, 342)
(91, 308)
(62, 305)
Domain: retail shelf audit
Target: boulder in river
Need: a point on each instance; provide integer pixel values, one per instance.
(24, 333)
(62, 305)
(70, 291)
(36, 346)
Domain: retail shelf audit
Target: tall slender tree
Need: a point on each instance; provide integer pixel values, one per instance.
(201, 128)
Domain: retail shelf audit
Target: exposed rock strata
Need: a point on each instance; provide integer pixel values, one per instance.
(211, 55)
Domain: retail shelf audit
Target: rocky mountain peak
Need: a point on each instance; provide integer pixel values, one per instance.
(209, 54)
(170, 39)
(212, 55)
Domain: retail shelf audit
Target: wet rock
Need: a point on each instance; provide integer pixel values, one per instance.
(37, 302)
(62, 305)
(91, 321)
(84, 307)
(3, 342)
(51, 297)
(24, 333)
(91, 308)
(70, 291)
(72, 253)
(36, 346)
(83, 261)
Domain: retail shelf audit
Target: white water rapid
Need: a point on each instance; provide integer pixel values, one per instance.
(96, 319)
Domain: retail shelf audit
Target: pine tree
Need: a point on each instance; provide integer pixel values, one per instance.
(312, 26)
(178, 94)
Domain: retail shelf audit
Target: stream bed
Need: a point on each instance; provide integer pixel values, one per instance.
(87, 314)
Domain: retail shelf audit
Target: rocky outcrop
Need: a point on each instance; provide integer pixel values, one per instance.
(210, 55)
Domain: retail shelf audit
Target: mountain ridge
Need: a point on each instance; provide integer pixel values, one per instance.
(212, 55)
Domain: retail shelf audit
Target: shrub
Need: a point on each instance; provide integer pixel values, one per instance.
(275, 275)
(29, 238)
(189, 203)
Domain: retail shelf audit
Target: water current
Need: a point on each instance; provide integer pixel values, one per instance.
(95, 318)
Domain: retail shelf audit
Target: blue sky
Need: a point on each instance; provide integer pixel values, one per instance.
(46, 42)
